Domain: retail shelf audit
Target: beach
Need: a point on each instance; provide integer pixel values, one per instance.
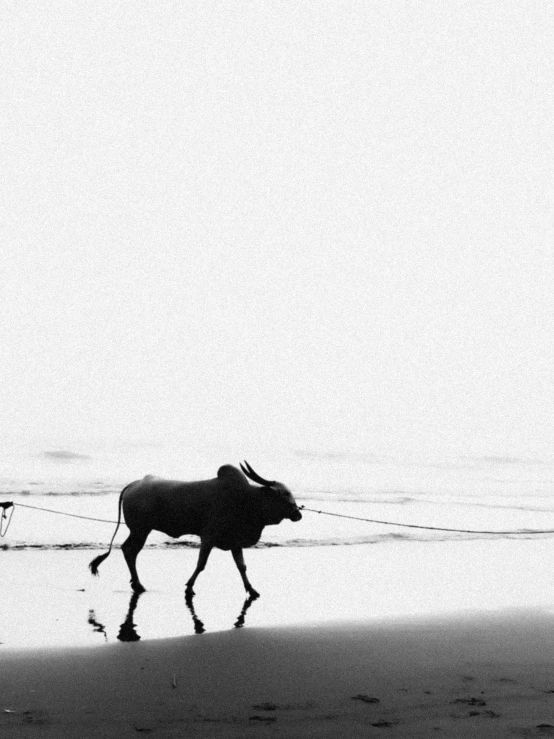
(312, 241)
(406, 639)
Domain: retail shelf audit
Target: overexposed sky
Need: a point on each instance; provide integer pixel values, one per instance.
(306, 224)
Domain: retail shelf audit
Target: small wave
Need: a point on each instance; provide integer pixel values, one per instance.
(47, 547)
(26, 493)
(422, 537)
(187, 544)
(64, 456)
(497, 506)
(502, 460)
(393, 537)
(348, 496)
(363, 457)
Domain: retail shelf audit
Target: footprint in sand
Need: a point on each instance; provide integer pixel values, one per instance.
(471, 701)
(36, 717)
(265, 706)
(382, 724)
(263, 719)
(530, 732)
(365, 698)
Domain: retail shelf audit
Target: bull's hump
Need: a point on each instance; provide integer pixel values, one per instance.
(151, 485)
(228, 473)
(151, 480)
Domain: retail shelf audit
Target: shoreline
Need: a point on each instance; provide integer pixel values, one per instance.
(49, 598)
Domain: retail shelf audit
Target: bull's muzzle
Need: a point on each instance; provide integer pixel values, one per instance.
(296, 515)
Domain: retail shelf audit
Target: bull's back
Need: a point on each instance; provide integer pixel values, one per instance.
(170, 506)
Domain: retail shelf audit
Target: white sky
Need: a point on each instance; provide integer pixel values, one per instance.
(318, 224)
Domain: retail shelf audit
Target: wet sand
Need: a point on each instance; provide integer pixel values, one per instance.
(49, 598)
(452, 639)
(488, 675)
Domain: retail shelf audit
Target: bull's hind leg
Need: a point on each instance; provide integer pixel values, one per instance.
(131, 547)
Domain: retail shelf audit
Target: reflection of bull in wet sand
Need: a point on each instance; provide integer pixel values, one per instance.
(225, 512)
(128, 629)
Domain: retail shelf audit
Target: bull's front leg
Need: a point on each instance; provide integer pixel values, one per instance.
(205, 550)
(241, 566)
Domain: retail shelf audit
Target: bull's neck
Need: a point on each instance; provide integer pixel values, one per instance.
(257, 508)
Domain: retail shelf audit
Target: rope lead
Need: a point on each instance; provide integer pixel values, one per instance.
(521, 532)
(62, 513)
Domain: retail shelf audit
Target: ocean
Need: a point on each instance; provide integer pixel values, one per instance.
(474, 493)
(309, 571)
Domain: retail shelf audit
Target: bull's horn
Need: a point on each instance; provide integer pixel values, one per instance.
(249, 472)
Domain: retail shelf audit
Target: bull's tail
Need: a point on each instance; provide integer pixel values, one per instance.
(97, 561)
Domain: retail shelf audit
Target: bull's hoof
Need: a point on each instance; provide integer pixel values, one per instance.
(138, 588)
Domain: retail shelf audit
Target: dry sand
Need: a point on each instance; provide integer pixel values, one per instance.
(421, 666)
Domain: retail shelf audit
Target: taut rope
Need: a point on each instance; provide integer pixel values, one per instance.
(520, 532)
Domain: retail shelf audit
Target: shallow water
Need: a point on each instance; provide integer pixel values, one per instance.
(49, 598)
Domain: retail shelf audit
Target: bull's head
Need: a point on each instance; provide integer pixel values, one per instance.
(280, 502)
